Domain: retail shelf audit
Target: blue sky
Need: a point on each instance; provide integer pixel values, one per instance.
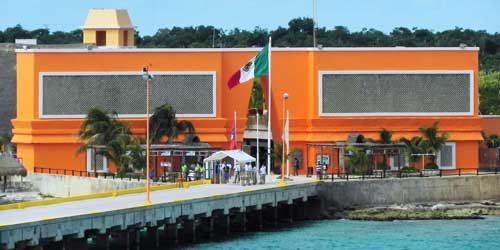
(150, 15)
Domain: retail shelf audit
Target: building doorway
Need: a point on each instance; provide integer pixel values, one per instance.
(100, 38)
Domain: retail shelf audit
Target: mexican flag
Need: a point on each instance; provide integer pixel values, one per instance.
(256, 67)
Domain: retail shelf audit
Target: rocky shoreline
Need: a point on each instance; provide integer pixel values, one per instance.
(427, 211)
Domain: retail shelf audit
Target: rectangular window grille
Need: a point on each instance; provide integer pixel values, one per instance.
(73, 94)
(96, 160)
(381, 93)
(446, 156)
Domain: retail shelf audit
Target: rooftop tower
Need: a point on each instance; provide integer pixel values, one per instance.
(108, 28)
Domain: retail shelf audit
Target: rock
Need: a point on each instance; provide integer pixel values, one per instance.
(488, 203)
(438, 206)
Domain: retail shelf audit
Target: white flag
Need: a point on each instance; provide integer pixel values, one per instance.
(285, 132)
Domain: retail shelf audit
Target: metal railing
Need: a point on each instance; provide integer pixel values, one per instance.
(167, 177)
(384, 174)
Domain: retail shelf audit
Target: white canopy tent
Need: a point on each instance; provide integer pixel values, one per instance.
(237, 155)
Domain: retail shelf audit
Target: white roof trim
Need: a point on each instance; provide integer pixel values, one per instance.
(354, 49)
(489, 116)
(238, 155)
(108, 27)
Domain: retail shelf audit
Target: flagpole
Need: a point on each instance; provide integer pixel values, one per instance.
(287, 143)
(235, 139)
(269, 109)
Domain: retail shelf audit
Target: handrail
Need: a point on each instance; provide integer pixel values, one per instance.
(383, 174)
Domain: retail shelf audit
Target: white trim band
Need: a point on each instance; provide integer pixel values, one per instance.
(193, 50)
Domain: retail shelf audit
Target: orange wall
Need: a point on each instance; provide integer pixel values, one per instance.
(490, 125)
(41, 141)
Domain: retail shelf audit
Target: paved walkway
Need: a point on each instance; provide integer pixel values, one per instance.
(31, 214)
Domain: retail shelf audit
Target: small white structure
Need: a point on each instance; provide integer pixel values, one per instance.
(236, 155)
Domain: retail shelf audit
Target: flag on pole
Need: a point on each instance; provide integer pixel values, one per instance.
(256, 67)
(233, 135)
(286, 132)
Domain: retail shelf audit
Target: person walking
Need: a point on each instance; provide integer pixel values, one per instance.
(226, 173)
(296, 167)
(318, 170)
(248, 173)
(184, 171)
(263, 172)
(237, 170)
(255, 173)
(217, 173)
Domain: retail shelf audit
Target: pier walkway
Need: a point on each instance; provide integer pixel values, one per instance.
(30, 226)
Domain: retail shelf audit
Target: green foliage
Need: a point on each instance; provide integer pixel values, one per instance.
(164, 123)
(103, 129)
(100, 128)
(432, 141)
(356, 159)
(277, 154)
(415, 145)
(492, 140)
(5, 142)
(489, 92)
(408, 170)
(137, 153)
(382, 166)
(385, 136)
(44, 36)
(257, 96)
(298, 33)
(431, 166)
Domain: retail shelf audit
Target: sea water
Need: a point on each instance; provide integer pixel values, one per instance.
(363, 235)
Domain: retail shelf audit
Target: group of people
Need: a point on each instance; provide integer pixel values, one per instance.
(195, 172)
(244, 173)
(320, 170)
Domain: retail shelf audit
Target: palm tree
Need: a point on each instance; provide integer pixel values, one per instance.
(119, 152)
(356, 159)
(103, 129)
(416, 145)
(385, 138)
(163, 123)
(137, 153)
(433, 142)
(4, 141)
(492, 140)
(257, 97)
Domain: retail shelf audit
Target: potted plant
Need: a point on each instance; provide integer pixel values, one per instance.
(430, 169)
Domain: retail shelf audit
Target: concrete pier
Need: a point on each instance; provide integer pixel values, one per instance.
(203, 212)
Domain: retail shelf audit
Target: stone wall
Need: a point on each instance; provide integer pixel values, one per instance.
(7, 86)
(411, 190)
(66, 186)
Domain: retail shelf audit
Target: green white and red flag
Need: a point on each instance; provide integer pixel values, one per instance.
(258, 66)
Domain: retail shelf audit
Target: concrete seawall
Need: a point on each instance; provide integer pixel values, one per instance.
(410, 190)
(67, 186)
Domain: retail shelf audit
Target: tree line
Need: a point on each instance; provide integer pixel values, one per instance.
(299, 33)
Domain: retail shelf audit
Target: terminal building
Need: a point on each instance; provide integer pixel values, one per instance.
(333, 93)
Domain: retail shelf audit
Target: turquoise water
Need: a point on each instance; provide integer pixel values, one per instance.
(365, 235)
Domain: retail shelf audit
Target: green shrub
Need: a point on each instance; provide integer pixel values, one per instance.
(382, 166)
(409, 170)
(431, 166)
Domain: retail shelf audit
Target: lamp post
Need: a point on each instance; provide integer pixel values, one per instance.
(283, 183)
(147, 77)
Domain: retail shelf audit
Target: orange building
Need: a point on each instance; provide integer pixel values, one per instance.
(333, 92)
